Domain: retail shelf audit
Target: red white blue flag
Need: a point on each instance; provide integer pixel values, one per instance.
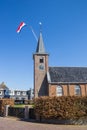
(22, 24)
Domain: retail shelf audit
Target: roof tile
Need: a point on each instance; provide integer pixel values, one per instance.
(68, 74)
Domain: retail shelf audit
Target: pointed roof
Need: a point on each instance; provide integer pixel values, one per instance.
(40, 46)
(3, 86)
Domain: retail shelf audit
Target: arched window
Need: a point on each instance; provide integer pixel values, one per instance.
(59, 91)
(77, 90)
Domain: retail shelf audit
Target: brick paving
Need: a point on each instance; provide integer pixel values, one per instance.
(14, 124)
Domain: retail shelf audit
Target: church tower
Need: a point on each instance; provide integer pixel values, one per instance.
(40, 69)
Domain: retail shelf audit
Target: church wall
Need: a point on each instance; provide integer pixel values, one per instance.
(71, 90)
(68, 90)
(83, 90)
(52, 90)
(65, 90)
(86, 89)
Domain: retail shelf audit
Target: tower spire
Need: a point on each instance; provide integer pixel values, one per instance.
(40, 46)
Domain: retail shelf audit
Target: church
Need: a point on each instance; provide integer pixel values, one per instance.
(56, 81)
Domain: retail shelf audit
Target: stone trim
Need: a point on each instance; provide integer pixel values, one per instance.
(48, 77)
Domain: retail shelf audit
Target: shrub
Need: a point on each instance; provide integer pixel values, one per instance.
(61, 107)
(4, 102)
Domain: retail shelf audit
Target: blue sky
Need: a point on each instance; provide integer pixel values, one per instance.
(64, 29)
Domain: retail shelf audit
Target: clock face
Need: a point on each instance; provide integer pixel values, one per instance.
(41, 67)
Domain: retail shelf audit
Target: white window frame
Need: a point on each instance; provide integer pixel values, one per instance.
(24, 93)
(18, 93)
(59, 91)
(11, 92)
(77, 90)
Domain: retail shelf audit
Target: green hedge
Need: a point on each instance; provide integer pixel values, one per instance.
(61, 107)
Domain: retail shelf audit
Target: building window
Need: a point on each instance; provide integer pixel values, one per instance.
(17, 98)
(41, 60)
(0, 92)
(77, 90)
(18, 93)
(59, 91)
(23, 93)
(6, 92)
(11, 92)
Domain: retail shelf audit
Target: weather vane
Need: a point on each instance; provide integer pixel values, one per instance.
(40, 26)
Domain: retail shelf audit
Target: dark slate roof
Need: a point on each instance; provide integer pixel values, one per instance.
(40, 46)
(68, 74)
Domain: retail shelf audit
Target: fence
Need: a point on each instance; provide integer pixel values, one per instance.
(16, 112)
(26, 113)
(32, 113)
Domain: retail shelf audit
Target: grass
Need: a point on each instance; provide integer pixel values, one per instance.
(22, 106)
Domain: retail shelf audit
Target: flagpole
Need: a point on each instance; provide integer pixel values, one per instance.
(34, 33)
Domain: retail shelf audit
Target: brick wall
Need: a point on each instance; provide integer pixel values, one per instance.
(68, 90)
(52, 90)
(40, 80)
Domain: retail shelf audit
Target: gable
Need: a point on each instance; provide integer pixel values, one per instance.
(3, 86)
